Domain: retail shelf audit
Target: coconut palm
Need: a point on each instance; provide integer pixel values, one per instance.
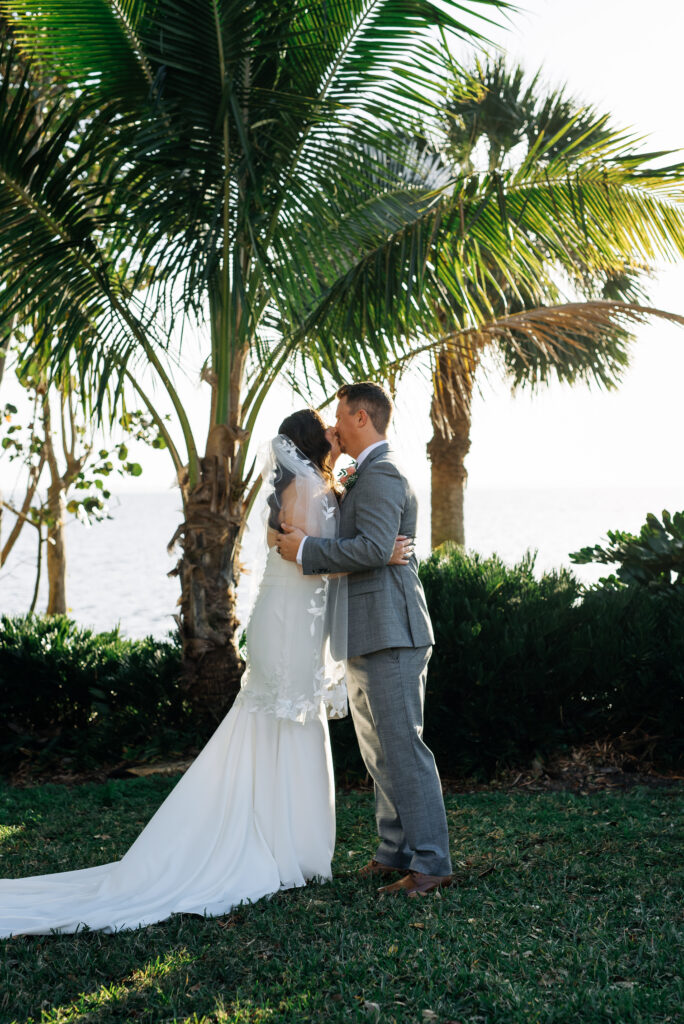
(196, 158)
(498, 118)
(241, 163)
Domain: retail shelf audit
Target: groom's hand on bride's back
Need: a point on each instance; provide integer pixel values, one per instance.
(402, 551)
(288, 542)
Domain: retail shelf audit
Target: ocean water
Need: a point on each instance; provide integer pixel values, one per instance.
(117, 570)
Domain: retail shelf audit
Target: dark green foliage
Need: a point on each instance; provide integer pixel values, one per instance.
(564, 910)
(654, 558)
(84, 698)
(497, 691)
(523, 666)
(628, 653)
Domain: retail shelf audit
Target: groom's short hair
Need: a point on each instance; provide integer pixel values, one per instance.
(371, 397)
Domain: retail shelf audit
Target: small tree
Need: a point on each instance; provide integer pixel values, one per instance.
(60, 439)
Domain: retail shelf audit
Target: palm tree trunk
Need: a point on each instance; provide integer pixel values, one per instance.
(447, 450)
(208, 570)
(448, 478)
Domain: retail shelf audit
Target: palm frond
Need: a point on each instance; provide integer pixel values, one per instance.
(558, 330)
(566, 341)
(55, 177)
(97, 43)
(377, 270)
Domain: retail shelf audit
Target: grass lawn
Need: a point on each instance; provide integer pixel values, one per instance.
(565, 909)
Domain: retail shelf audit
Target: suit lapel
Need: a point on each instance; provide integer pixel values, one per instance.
(380, 450)
(347, 501)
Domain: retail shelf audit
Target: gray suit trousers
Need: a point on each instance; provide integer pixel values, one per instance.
(386, 695)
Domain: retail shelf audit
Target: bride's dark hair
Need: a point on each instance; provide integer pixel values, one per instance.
(306, 429)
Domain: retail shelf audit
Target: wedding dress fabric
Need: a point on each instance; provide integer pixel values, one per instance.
(255, 812)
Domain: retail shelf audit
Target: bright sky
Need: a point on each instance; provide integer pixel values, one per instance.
(626, 60)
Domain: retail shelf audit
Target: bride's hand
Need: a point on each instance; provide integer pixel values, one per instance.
(332, 438)
(403, 549)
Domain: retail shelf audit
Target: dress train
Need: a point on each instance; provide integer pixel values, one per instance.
(253, 814)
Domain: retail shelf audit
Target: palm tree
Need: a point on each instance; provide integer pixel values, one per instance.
(499, 119)
(239, 163)
(196, 157)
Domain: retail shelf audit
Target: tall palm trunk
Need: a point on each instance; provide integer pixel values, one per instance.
(210, 540)
(447, 450)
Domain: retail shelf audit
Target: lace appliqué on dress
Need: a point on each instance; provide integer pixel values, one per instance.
(290, 671)
(330, 693)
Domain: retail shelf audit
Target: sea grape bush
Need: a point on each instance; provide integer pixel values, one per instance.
(654, 558)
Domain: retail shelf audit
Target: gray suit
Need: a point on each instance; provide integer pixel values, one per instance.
(390, 638)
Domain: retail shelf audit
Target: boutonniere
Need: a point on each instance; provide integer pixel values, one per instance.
(348, 477)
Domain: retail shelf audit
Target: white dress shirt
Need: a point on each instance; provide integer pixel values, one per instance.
(364, 454)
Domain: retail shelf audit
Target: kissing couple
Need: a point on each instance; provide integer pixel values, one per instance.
(340, 611)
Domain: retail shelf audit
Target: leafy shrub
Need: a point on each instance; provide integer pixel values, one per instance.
(629, 660)
(521, 667)
(654, 558)
(69, 693)
(524, 666)
(498, 690)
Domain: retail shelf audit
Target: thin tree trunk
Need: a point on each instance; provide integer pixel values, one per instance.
(448, 448)
(4, 352)
(56, 538)
(56, 549)
(39, 570)
(22, 513)
(4, 349)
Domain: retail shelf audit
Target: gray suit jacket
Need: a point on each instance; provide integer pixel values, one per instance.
(387, 606)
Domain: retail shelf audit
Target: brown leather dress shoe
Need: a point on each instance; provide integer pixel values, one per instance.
(375, 867)
(415, 883)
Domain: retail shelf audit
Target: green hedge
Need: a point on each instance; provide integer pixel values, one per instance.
(87, 698)
(521, 667)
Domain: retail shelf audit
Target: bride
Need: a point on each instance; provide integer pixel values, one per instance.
(255, 812)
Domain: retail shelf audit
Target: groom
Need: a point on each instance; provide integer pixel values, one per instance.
(390, 642)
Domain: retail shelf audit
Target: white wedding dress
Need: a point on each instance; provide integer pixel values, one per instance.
(254, 813)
